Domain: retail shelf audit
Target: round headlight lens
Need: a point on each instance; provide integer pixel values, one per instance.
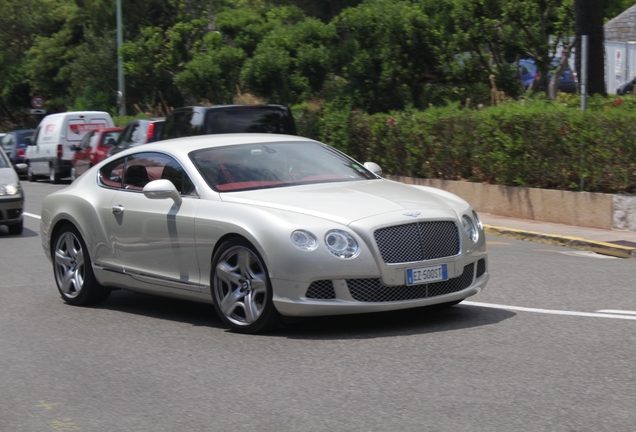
(304, 240)
(479, 224)
(342, 244)
(470, 228)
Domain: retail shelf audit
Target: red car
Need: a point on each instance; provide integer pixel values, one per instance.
(93, 149)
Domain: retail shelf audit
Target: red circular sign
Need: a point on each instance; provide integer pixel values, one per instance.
(37, 102)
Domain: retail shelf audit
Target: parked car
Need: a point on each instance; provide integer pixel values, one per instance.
(222, 119)
(11, 196)
(137, 132)
(261, 226)
(93, 149)
(50, 154)
(627, 88)
(14, 144)
(528, 72)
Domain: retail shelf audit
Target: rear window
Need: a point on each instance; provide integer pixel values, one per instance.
(181, 124)
(249, 120)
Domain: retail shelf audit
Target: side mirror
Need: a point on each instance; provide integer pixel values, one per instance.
(21, 166)
(373, 167)
(162, 189)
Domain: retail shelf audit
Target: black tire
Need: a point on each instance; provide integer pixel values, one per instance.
(54, 176)
(16, 229)
(73, 271)
(239, 274)
(30, 176)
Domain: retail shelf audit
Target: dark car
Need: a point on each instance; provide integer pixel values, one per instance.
(138, 132)
(222, 119)
(14, 144)
(528, 72)
(627, 88)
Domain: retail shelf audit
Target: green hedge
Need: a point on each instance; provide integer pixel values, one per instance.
(531, 143)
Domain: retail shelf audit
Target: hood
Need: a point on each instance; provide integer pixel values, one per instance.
(8, 175)
(343, 202)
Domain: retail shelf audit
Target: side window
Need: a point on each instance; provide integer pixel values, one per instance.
(85, 140)
(135, 171)
(125, 134)
(93, 140)
(136, 134)
(7, 144)
(111, 174)
(181, 124)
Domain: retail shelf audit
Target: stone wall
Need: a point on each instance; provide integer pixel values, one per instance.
(585, 209)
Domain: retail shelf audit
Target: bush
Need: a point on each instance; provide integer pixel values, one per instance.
(529, 143)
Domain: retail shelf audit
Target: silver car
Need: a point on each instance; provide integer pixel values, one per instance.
(263, 226)
(11, 196)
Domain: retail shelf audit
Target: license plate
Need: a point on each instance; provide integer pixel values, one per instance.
(422, 275)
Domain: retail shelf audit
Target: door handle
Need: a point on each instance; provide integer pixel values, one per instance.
(118, 209)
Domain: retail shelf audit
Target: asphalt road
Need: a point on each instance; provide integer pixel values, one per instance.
(532, 352)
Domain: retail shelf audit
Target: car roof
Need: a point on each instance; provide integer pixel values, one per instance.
(189, 144)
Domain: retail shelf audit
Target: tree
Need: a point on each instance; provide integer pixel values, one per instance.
(387, 54)
(589, 21)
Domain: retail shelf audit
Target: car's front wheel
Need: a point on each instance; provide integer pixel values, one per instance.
(241, 288)
(73, 271)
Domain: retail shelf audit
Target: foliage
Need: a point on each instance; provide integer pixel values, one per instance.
(532, 143)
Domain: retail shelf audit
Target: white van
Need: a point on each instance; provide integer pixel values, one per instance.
(50, 154)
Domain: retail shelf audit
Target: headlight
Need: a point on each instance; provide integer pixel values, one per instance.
(304, 240)
(478, 221)
(9, 189)
(342, 244)
(470, 228)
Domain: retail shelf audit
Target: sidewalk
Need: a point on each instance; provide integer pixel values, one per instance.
(608, 242)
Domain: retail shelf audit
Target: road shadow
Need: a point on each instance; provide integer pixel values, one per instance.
(4, 232)
(188, 312)
(395, 323)
(359, 326)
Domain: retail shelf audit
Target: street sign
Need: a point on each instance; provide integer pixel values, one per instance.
(37, 102)
(37, 111)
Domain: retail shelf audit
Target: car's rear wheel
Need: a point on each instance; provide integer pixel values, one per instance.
(30, 176)
(54, 176)
(73, 271)
(16, 229)
(241, 288)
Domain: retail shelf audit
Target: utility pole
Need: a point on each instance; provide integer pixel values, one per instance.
(121, 99)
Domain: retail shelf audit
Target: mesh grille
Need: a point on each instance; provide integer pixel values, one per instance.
(322, 289)
(481, 267)
(373, 290)
(418, 241)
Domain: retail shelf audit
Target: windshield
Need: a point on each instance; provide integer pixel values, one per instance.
(256, 166)
(4, 163)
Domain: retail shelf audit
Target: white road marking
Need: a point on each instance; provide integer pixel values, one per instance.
(32, 215)
(617, 311)
(588, 254)
(612, 315)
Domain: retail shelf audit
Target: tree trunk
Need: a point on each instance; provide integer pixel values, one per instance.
(589, 21)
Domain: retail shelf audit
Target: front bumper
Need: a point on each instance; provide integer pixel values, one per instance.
(350, 296)
(11, 210)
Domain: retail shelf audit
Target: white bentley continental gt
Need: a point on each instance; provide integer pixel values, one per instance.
(263, 226)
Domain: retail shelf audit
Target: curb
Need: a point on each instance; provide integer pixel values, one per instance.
(566, 241)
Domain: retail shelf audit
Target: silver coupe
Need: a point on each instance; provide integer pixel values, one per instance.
(264, 227)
